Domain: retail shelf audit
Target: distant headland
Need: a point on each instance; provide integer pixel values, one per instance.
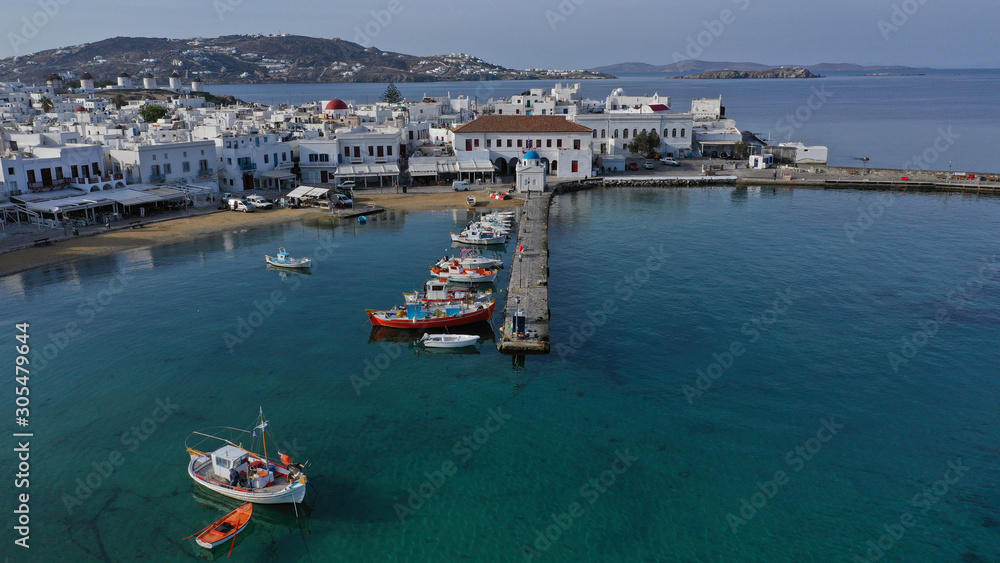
(260, 59)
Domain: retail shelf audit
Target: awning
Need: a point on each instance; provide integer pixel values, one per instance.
(278, 175)
(432, 166)
(128, 196)
(308, 191)
(45, 196)
(475, 165)
(68, 204)
(355, 170)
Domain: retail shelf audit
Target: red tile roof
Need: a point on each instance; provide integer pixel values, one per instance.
(658, 107)
(522, 124)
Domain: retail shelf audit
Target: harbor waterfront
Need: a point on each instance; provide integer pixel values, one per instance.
(766, 384)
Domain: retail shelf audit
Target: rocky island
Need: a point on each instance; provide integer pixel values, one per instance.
(782, 72)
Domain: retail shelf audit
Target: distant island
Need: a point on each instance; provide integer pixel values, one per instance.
(260, 59)
(793, 72)
(691, 66)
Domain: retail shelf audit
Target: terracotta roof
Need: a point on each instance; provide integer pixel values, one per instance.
(522, 124)
(658, 107)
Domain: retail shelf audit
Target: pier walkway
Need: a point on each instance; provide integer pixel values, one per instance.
(525, 327)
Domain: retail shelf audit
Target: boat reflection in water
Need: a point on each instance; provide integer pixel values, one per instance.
(286, 273)
(408, 335)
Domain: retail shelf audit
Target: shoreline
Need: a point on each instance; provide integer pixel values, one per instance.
(180, 227)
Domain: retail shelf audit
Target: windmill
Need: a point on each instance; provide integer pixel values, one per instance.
(864, 162)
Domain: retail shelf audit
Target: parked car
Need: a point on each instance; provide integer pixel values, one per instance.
(648, 165)
(346, 186)
(669, 161)
(460, 186)
(240, 205)
(259, 201)
(341, 200)
(632, 166)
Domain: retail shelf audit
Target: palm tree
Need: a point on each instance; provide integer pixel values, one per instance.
(46, 104)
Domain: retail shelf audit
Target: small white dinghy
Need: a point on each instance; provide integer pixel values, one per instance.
(448, 340)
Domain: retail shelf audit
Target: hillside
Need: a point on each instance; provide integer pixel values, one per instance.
(793, 72)
(257, 59)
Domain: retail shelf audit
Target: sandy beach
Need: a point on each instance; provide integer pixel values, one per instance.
(213, 221)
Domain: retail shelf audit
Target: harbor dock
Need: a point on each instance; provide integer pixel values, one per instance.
(525, 327)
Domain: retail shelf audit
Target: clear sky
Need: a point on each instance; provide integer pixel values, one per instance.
(563, 34)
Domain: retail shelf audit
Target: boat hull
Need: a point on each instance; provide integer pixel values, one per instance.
(297, 265)
(478, 315)
(239, 517)
(431, 342)
(295, 492)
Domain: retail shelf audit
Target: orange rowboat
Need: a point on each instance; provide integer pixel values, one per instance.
(226, 527)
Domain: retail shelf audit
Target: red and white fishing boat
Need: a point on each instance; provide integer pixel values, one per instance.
(240, 472)
(457, 274)
(419, 315)
(470, 259)
(226, 528)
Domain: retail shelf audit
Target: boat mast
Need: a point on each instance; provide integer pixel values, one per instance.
(263, 433)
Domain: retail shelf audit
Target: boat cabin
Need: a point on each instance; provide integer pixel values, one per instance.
(229, 458)
(436, 290)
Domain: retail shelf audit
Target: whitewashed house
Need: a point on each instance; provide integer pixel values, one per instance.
(563, 146)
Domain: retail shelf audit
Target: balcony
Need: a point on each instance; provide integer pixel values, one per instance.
(357, 160)
(245, 166)
(206, 172)
(156, 178)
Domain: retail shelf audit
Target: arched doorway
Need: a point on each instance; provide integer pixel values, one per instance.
(545, 163)
(501, 166)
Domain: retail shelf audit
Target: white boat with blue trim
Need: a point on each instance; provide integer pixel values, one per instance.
(285, 260)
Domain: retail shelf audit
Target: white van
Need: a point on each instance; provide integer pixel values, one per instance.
(240, 205)
(460, 186)
(259, 201)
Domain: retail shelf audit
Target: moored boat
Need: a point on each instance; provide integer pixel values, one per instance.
(470, 259)
(448, 340)
(458, 274)
(285, 260)
(479, 236)
(241, 473)
(226, 528)
(418, 315)
(437, 292)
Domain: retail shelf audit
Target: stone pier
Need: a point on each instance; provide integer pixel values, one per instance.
(525, 327)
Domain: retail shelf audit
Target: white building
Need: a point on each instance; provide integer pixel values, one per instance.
(188, 162)
(563, 146)
(368, 153)
(34, 163)
(252, 161)
(530, 174)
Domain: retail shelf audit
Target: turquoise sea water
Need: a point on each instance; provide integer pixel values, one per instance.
(614, 445)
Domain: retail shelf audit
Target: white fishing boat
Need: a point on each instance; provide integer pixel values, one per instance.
(240, 472)
(479, 236)
(471, 200)
(284, 260)
(469, 259)
(448, 340)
